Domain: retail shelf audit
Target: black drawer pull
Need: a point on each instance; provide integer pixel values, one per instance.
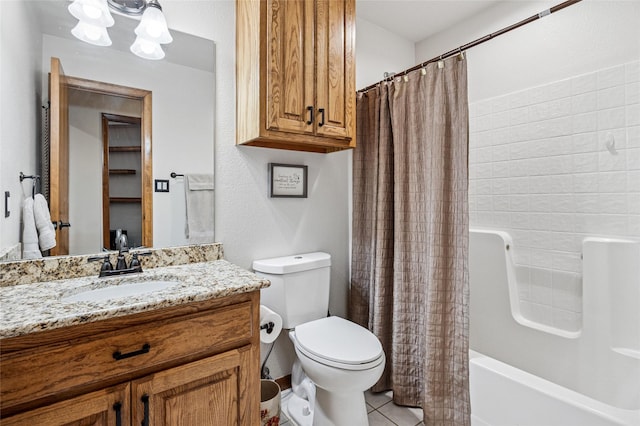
(145, 402)
(117, 407)
(310, 109)
(321, 111)
(117, 355)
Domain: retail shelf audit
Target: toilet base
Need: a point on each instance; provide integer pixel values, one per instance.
(298, 410)
(339, 409)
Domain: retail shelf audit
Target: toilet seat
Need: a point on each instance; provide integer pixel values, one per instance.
(339, 343)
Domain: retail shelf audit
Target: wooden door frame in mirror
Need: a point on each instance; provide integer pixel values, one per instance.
(144, 96)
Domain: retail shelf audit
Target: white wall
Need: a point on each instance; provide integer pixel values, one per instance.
(20, 65)
(378, 51)
(544, 100)
(582, 38)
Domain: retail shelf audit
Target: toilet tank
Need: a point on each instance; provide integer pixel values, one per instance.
(299, 290)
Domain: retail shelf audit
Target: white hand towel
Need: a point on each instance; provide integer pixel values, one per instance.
(199, 200)
(29, 233)
(46, 231)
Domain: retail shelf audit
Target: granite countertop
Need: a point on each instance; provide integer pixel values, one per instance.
(36, 307)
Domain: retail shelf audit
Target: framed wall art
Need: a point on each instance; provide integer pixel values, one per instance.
(287, 180)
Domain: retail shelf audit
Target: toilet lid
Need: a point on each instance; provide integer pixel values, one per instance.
(336, 339)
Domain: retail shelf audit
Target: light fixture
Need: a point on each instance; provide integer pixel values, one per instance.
(92, 34)
(147, 49)
(94, 18)
(93, 12)
(153, 25)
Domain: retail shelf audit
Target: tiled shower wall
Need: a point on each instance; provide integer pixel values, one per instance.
(551, 165)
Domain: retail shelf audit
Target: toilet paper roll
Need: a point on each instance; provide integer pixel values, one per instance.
(270, 325)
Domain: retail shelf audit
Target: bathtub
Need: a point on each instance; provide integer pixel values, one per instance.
(502, 395)
(525, 373)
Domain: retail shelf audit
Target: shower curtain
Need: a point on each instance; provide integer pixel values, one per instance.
(409, 282)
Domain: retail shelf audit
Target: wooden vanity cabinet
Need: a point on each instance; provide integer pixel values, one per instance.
(295, 74)
(103, 407)
(201, 368)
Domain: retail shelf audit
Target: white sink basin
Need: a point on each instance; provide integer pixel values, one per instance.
(120, 291)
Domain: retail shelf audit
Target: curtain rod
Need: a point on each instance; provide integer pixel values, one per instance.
(477, 42)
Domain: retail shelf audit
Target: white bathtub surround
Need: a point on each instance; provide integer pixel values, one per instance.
(520, 398)
(492, 262)
(602, 359)
(612, 294)
(551, 165)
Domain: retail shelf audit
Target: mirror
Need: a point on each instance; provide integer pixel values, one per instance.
(182, 87)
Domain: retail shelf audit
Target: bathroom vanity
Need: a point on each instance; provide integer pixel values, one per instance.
(186, 354)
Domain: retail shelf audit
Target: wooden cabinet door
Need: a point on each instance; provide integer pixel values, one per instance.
(335, 65)
(206, 392)
(106, 407)
(289, 65)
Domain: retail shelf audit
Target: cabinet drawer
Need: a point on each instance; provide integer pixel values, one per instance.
(44, 372)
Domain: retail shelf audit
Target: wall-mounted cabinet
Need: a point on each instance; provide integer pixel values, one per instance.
(295, 76)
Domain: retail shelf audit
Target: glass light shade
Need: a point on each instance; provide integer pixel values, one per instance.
(92, 34)
(147, 49)
(93, 12)
(153, 25)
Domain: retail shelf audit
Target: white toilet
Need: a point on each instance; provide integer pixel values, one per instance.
(340, 357)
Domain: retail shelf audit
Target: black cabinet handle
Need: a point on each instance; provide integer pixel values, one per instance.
(310, 109)
(117, 355)
(117, 407)
(321, 111)
(145, 403)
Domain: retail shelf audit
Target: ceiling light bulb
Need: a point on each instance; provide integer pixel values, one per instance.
(91, 34)
(153, 25)
(147, 49)
(94, 12)
(91, 11)
(154, 29)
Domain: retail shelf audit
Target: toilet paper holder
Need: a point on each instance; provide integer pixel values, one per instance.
(268, 326)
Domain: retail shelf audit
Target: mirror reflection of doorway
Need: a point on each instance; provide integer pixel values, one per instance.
(121, 183)
(83, 103)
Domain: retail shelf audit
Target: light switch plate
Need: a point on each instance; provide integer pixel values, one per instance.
(161, 185)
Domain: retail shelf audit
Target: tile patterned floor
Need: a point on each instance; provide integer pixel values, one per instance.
(382, 412)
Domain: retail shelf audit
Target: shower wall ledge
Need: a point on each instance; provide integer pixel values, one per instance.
(496, 263)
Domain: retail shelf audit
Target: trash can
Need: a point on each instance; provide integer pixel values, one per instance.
(269, 403)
